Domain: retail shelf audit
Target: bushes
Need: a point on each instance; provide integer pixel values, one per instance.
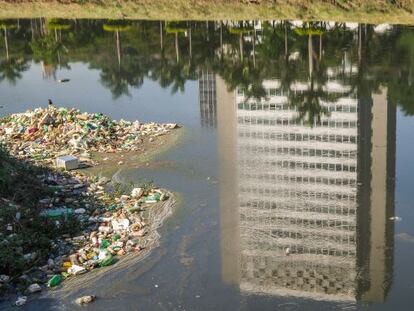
(25, 236)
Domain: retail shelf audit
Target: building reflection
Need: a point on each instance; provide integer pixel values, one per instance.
(207, 99)
(325, 192)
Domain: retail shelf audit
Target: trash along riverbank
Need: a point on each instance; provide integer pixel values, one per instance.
(57, 222)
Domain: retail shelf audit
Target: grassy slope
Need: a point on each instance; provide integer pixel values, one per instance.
(369, 11)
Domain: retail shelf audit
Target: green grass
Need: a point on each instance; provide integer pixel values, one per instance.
(366, 11)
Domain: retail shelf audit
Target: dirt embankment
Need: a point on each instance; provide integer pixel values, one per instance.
(365, 11)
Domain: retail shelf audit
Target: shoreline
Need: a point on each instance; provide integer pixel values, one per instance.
(133, 160)
(156, 219)
(375, 12)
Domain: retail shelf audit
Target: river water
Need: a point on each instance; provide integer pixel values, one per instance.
(294, 172)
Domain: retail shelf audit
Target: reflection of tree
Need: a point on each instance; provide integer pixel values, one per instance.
(176, 28)
(243, 55)
(245, 76)
(48, 48)
(48, 51)
(11, 69)
(173, 74)
(117, 27)
(119, 77)
(127, 72)
(308, 101)
(401, 85)
(6, 25)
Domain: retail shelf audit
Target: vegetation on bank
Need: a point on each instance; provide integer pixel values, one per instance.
(26, 238)
(367, 11)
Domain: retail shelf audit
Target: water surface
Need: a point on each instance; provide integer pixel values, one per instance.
(296, 158)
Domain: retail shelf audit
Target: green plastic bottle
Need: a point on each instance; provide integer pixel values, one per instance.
(54, 281)
(104, 244)
(107, 261)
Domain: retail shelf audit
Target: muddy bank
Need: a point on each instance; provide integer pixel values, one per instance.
(110, 164)
(396, 12)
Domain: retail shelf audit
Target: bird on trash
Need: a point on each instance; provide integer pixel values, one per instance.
(50, 102)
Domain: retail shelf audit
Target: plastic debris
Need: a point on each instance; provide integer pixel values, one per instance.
(34, 288)
(76, 270)
(112, 224)
(63, 80)
(137, 192)
(4, 278)
(85, 299)
(287, 251)
(38, 134)
(68, 162)
(57, 212)
(395, 218)
(54, 281)
(21, 301)
(107, 260)
(120, 224)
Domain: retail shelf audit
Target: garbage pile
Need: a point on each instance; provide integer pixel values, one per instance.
(45, 133)
(112, 225)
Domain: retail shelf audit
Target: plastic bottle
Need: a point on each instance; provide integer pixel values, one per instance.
(54, 281)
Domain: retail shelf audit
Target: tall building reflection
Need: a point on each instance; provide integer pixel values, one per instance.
(325, 192)
(207, 99)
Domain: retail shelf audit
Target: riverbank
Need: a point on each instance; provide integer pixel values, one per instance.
(364, 11)
(56, 224)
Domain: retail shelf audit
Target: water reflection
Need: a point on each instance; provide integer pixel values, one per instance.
(325, 192)
(305, 115)
(243, 53)
(207, 99)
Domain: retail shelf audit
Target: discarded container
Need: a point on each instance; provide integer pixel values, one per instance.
(63, 80)
(134, 209)
(107, 261)
(154, 198)
(54, 281)
(73, 259)
(21, 301)
(104, 244)
(68, 162)
(76, 270)
(102, 254)
(65, 275)
(57, 212)
(105, 229)
(85, 299)
(120, 224)
(137, 192)
(4, 278)
(34, 288)
(67, 264)
(396, 218)
(80, 211)
(32, 130)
